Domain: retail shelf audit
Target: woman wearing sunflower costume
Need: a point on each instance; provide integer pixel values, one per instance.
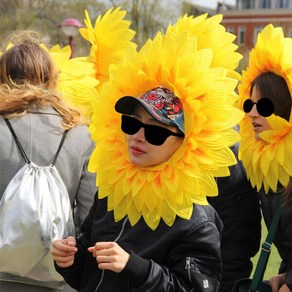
(151, 228)
(237, 203)
(266, 152)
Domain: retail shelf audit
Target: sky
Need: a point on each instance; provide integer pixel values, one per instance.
(211, 3)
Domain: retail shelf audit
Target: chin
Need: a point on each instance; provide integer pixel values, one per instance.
(137, 162)
(257, 137)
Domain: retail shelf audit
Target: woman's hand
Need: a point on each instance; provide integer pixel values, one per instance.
(109, 256)
(63, 251)
(277, 283)
(284, 288)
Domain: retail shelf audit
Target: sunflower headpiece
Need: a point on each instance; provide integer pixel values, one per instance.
(177, 62)
(81, 79)
(267, 161)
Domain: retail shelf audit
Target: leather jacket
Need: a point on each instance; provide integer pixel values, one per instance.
(183, 257)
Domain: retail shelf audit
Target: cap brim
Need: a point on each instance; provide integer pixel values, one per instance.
(127, 105)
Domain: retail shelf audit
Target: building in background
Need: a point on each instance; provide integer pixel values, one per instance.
(258, 4)
(196, 9)
(251, 16)
(248, 17)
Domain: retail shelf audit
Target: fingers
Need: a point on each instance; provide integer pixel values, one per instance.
(284, 288)
(63, 251)
(103, 249)
(63, 246)
(109, 256)
(64, 262)
(71, 241)
(276, 282)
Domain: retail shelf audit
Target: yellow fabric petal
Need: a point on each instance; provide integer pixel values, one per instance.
(267, 161)
(187, 67)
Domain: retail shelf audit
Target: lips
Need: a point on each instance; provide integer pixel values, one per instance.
(256, 125)
(137, 150)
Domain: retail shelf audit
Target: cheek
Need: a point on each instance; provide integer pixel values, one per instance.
(128, 143)
(265, 123)
(128, 138)
(172, 145)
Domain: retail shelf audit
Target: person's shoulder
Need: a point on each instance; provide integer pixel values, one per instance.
(81, 132)
(2, 122)
(201, 215)
(79, 137)
(4, 130)
(204, 214)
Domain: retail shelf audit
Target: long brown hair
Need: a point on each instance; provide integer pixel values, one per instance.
(28, 79)
(275, 87)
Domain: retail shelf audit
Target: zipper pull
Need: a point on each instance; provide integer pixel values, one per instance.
(188, 263)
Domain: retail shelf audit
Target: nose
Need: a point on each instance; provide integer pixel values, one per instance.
(140, 135)
(253, 112)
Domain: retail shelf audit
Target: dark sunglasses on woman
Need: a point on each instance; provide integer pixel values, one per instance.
(154, 135)
(265, 106)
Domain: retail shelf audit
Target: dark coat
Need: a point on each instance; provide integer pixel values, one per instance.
(238, 207)
(183, 257)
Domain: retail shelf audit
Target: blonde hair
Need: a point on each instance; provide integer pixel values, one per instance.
(28, 79)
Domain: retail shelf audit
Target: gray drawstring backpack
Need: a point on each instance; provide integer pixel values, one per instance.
(34, 210)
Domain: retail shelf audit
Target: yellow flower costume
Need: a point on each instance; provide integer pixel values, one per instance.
(110, 41)
(177, 62)
(211, 34)
(267, 161)
(75, 80)
(80, 79)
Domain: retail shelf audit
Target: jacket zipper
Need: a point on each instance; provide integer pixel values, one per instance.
(117, 238)
(188, 267)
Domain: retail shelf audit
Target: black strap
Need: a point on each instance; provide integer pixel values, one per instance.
(266, 251)
(53, 160)
(17, 141)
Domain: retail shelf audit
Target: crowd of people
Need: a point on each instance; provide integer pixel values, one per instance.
(168, 181)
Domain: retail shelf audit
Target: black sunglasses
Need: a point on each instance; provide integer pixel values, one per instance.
(154, 135)
(265, 106)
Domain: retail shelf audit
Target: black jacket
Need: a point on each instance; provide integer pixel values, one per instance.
(238, 207)
(183, 257)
